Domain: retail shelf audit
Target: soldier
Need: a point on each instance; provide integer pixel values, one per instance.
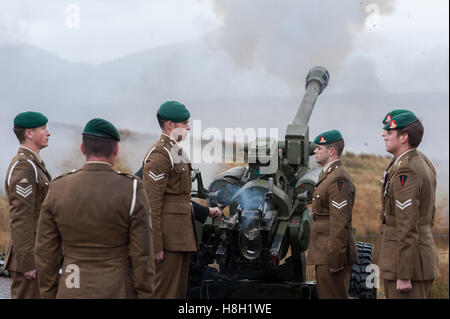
(405, 252)
(332, 248)
(26, 186)
(100, 219)
(167, 181)
(387, 119)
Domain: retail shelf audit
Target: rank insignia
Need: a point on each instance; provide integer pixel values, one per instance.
(403, 179)
(339, 185)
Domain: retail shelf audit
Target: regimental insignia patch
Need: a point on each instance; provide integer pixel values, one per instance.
(392, 124)
(403, 179)
(24, 191)
(340, 185)
(388, 118)
(322, 139)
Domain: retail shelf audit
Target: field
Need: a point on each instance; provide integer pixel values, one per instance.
(366, 171)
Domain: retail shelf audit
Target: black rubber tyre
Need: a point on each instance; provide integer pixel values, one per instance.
(358, 288)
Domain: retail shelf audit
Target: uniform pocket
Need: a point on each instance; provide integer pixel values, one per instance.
(181, 178)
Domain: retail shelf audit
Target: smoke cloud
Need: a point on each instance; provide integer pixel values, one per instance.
(288, 37)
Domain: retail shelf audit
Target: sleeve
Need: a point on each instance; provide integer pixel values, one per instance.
(201, 212)
(140, 245)
(406, 186)
(22, 198)
(155, 177)
(48, 251)
(340, 196)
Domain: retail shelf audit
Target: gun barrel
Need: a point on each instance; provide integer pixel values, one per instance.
(316, 81)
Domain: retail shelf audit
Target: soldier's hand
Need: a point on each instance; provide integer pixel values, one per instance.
(215, 212)
(404, 285)
(30, 274)
(159, 256)
(334, 270)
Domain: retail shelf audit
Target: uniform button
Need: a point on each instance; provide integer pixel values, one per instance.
(318, 196)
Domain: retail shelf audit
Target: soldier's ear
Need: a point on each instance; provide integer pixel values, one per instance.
(82, 149)
(116, 150)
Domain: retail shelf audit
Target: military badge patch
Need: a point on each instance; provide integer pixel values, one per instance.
(403, 179)
(339, 205)
(156, 177)
(392, 124)
(24, 191)
(388, 118)
(322, 140)
(340, 185)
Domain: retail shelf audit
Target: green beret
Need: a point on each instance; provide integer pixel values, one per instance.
(400, 121)
(101, 128)
(393, 113)
(30, 120)
(173, 111)
(328, 137)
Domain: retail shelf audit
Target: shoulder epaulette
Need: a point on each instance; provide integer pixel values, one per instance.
(66, 174)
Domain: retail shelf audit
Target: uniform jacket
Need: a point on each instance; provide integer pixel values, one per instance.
(100, 218)
(168, 183)
(201, 212)
(26, 186)
(405, 248)
(331, 242)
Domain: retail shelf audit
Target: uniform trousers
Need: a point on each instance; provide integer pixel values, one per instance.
(332, 285)
(172, 273)
(22, 288)
(420, 290)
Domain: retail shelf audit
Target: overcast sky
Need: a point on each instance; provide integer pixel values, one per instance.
(407, 41)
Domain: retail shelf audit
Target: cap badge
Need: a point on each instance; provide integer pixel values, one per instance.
(322, 140)
(393, 124)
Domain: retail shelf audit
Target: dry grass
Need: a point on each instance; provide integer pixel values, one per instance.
(4, 223)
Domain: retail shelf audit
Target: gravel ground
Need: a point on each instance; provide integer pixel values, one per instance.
(5, 284)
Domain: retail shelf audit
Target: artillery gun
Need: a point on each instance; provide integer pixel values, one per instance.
(268, 216)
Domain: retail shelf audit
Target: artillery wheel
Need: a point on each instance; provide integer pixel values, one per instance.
(358, 288)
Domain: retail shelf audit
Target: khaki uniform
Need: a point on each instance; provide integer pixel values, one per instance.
(331, 241)
(100, 219)
(168, 183)
(405, 248)
(26, 186)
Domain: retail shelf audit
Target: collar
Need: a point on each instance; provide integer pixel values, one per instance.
(32, 152)
(171, 138)
(97, 166)
(324, 168)
(397, 160)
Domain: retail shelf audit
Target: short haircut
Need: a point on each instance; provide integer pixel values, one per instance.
(20, 134)
(414, 131)
(98, 146)
(338, 146)
(162, 122)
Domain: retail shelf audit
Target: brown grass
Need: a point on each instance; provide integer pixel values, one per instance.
(4, 223)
